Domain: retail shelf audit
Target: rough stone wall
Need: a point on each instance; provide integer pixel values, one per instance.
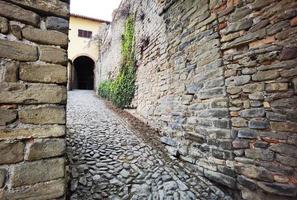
(218, 78)
(33, 76)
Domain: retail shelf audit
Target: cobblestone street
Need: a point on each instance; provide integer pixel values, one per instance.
(108, 161)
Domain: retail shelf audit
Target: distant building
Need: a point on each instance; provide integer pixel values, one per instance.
(83, 50)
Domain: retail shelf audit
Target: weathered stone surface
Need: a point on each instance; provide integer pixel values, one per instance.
(220, 178)
(254, 112)
(45, 37)
(9, 71)
(2, 177)
(18, 51)
(254, 172)
(46, 148)
(56, 23)
(31, 93)
(43, 115)
(7, 116)
(238, 122)
(246, 182)
(11, 11)
(279, 189)
(11, 152)
(285, 149)
(284, 126)
(16, 30)
(37, 132)
(288, 53)
(39, 171)
(239, 25)
(286, 160)
(3, 25)
(262, 154)
(168, 141)
(247, 133)
(53, 55)
(49, 190)
(54, 7)
(271, 87)
(43, 73)
(265, 75)
(258, 124)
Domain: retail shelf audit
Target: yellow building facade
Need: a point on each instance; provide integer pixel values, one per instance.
(83, 50)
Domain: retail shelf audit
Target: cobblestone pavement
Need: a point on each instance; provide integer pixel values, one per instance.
(108, 161)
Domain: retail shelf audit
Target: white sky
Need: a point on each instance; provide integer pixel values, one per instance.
(100, 9)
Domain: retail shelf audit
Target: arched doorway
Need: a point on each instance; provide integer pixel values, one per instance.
(83, 73)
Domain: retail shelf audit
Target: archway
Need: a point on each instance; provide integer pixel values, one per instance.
(83, 73)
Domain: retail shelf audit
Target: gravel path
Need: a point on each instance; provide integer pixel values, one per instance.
(108, 161)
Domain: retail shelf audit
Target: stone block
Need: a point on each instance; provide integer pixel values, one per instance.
(288, 53)
(7, 116)
(168, 141)
(37, 132)
(3, 173)
(284, 149)
(262, 154)
(54, 7)
(239, 25)
(247, 133)
(46, 148)
(211, 93)
(53, 55)
(18, 51)
(45, 37)
(254, 172)
(256, 96)
(253, 87)
(43, 115)
(286, 160)
(240, 144)
(14, 12)
(265, 75)
(272, 87)
(284, 126)
(3, 25)
(11, 152)
(56, 23)
(238, 122)
(246, 182)
(289, 73)
(43, 73)
(49, 190)
(16, 30)
(258, 124)
(32, 93)
(279, 188)
(247, 38)
(241, 80)
(293, 22)
(253, 112)
(29, 173)
(220, 178)
(9, 71)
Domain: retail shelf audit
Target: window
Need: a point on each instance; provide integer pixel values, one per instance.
(84, 33)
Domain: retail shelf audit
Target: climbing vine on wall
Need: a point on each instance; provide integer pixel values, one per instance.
(121, 90)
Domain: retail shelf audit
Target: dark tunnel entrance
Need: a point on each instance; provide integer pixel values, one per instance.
(83, 73)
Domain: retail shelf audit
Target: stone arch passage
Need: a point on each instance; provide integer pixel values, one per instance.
(83, 76)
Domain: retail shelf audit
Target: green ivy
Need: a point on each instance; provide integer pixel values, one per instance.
(121, 90)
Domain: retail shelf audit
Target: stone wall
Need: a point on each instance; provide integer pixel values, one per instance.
(218, 79)
(33, 58)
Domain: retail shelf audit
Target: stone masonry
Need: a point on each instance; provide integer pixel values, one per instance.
(218, 78)
(33, 58)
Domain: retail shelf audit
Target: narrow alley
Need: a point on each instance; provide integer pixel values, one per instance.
(108, 161)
